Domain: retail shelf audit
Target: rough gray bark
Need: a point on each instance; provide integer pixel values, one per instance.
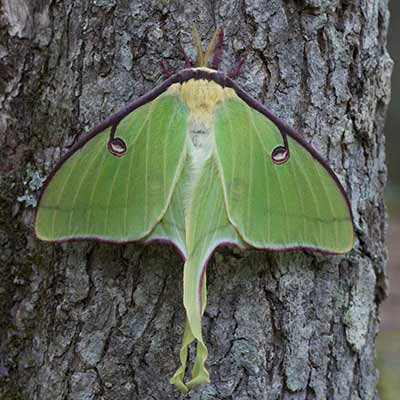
(96, 321)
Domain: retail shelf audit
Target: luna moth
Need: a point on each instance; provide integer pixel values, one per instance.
(199, 163)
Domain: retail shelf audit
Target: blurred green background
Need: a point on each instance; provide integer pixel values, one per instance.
(388, 340)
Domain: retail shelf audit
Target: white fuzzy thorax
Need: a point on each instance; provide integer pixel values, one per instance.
(201, 98)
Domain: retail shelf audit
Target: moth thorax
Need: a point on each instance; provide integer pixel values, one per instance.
(202, 96)
(201, 140)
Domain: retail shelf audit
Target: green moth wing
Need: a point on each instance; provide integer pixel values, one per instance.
(195, 162)
(172, 225)
(207, 227)
(278, 203)
(242, 195)
(95, 194)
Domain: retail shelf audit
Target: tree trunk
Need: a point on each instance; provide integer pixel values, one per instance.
(100, 321)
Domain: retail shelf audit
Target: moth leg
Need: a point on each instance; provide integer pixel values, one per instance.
(238, 69)
(165, 70)
(188, 63)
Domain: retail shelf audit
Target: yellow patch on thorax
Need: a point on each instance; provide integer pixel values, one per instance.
(201, 96)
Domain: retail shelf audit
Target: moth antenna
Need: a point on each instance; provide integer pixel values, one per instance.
(211, 46)
(236, 71)
(188, 63)
(216, 61)
(165, 70)
(199, 50)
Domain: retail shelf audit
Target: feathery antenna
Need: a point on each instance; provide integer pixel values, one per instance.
(211, 46)
(199, 50)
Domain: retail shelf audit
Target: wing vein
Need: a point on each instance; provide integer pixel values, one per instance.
(132, 156)
(266, 174)
(83, 177)
(310, 187)
(89, 214)
(318, 170)
(172, 118)
(62, 193)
